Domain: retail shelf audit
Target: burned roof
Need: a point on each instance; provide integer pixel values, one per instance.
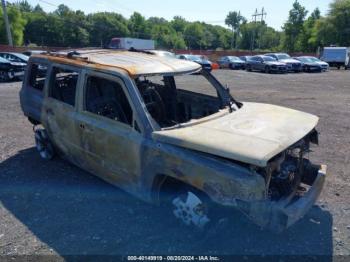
(135, 63)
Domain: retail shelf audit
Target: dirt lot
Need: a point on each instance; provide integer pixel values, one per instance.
(56, 208)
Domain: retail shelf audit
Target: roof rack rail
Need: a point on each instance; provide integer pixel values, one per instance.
(71, 55)
(132, 49)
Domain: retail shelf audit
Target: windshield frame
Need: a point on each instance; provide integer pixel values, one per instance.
(227, 101)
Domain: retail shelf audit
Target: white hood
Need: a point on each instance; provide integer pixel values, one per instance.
(253, 134)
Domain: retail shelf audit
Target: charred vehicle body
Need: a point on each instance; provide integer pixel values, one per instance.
(132, 119)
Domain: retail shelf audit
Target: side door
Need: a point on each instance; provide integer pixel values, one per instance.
(59, 110)
(109, 129)
(260, 63)
(226, 62)
(32, 92)
(254, 63)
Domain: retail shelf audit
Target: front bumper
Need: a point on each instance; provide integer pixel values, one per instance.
(294, 67)
(279, 215)
(313, 69)
(279, 69)
(237, 65)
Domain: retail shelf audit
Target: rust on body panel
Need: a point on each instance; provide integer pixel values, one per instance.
(249, 156)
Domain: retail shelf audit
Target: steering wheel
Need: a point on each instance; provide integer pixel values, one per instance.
(154, 103)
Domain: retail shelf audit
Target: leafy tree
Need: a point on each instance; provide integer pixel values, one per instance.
(339, 17)
(266, 38)
(38, 9)
(194, 35)
(104, 26)
(323, 33)
(138, 26)
(305, 42)
(23, 6)
(179, 23)
(17, 25)
(234, 19)
(294, 26)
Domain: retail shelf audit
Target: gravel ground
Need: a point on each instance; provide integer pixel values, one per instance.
(56, 208)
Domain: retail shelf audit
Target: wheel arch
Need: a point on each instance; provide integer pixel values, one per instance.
(166, 183)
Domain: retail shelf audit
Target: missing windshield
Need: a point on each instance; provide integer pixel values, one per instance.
(173, 100)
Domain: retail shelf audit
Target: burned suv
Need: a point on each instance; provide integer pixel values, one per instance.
(151, 124)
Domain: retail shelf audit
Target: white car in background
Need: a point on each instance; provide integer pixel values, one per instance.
(163, 53)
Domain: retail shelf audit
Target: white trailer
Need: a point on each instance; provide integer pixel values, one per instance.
(127, 43)
(337, 56)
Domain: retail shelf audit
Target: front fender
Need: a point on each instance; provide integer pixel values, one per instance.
(223, 181)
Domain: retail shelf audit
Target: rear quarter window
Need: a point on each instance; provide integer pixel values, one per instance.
(63, 83)
(37, 75)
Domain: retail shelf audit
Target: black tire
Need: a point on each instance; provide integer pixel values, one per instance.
(4, 76)
(44, 145)
(248, 68)
(267, 70)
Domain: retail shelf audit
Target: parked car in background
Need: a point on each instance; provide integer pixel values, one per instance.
(324, 65)
(34, 52)
(245, 59)
(293, 65)
(199, 59)
(10, 70)
(265, 64)
(337, 56)
(163, 53)
(15, 57)
(309, 65)
(232, 62)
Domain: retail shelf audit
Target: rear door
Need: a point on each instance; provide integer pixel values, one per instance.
(108, 127)
(59, 110)
(260, 63)
(32, 92)
(254, 63)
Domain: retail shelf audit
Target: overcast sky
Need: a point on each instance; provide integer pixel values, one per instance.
(212, 11)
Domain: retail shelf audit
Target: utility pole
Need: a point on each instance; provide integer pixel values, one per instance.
(255, 17)
(263, 13)
(7, 24)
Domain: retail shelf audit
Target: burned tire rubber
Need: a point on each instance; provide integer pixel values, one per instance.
(191, 210)
(44, 145)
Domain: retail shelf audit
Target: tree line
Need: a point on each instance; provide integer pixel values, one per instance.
(64, 27)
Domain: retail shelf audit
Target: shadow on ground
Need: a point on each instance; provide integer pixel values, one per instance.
(75, 213)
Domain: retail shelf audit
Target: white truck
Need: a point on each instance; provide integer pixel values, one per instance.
(337, 56)
(129, 43)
